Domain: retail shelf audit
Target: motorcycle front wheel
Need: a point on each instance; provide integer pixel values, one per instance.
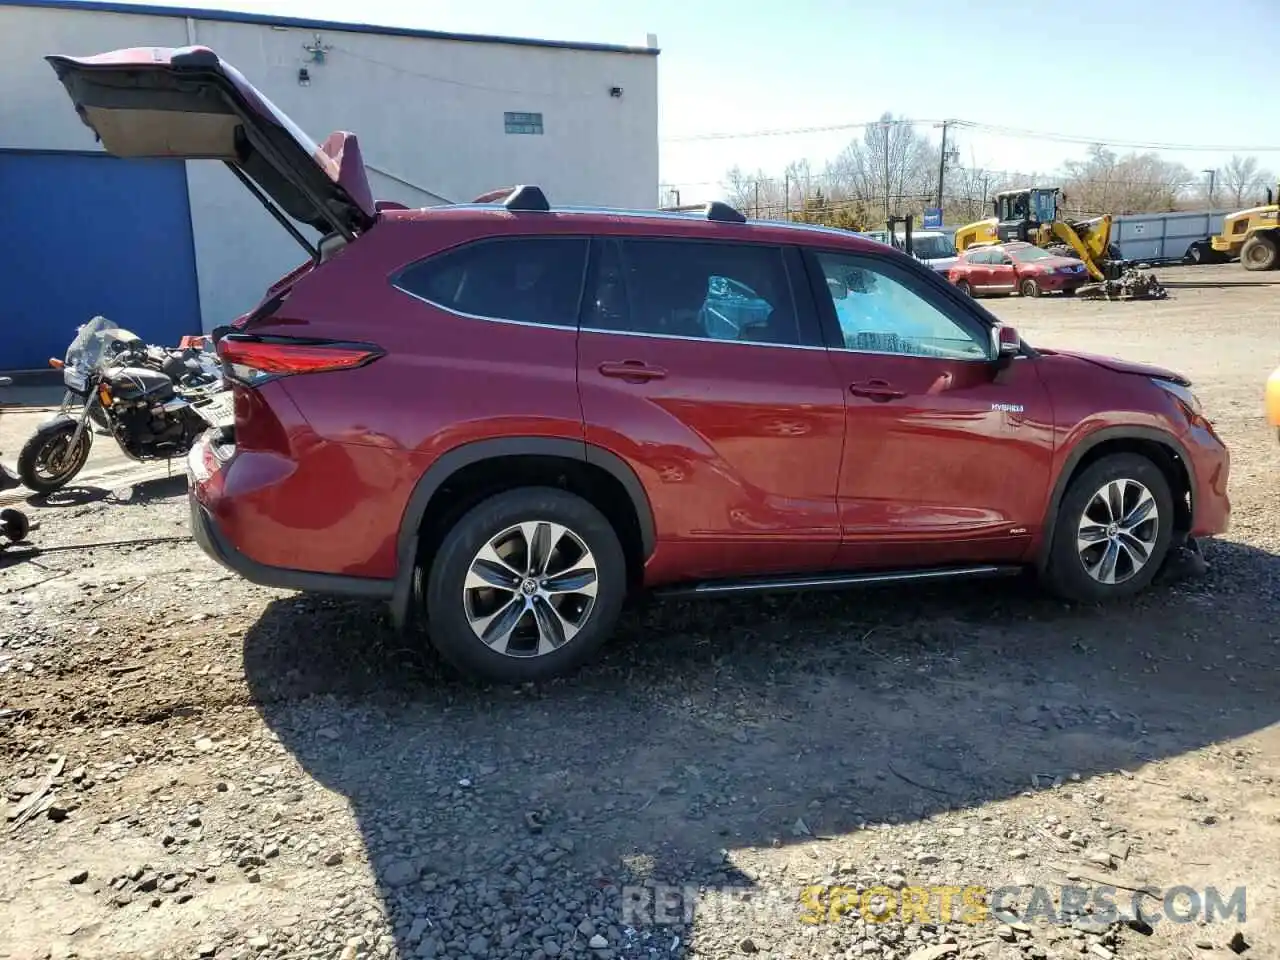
(47, 462)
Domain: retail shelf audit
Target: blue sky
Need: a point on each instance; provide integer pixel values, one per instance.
(1174, 72)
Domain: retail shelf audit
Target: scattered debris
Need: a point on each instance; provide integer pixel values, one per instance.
(1132, 284)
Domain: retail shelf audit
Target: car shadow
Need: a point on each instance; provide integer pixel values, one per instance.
(724, 726)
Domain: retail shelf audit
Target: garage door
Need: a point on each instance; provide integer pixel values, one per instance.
(82, 235)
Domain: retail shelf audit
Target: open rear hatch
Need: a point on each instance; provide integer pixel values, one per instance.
(188, 103)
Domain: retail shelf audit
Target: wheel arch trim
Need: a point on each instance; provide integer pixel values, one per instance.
(477, 451)
(1091, 442)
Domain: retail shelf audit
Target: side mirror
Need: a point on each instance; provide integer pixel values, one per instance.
(1005, 342)
(1007, 261)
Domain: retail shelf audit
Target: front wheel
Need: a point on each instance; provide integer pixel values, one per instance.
(1113, 530)
(527, 586)
(1029, 288)
(48, 462)
(1260, 252)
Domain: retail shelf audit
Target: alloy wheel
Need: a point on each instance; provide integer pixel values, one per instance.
(1117, 531)
(58, 459)
(531, 589)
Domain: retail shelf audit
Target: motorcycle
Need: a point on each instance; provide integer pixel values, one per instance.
(153, 402)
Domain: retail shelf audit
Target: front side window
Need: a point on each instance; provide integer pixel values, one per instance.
(523, 279)
(732, 292)
(879, 313)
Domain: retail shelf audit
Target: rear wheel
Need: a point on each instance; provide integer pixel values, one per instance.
(527, 586)
(1260, 253)
(1113, 530)
(48, 462)
(1029, 288)
(963, 287)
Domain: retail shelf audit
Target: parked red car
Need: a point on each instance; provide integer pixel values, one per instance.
(1016, 268)
(504, 417)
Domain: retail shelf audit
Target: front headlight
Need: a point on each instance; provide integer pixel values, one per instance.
(1183, 395)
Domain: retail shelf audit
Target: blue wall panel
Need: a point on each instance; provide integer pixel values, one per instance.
(87, 234)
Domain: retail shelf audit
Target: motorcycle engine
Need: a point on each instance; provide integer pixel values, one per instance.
(147, 420)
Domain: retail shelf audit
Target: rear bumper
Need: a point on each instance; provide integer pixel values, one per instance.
(204, 485)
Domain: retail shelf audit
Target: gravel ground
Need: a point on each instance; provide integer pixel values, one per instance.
(197, 767)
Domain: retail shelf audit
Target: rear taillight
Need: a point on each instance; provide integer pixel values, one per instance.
(254, 360)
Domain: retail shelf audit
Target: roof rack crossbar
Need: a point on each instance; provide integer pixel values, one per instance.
(527, 197)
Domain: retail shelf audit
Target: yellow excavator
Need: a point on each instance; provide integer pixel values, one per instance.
(1031, 215)
(1253, 235)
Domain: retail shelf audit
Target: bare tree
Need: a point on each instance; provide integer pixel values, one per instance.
(757, 193)
(1134, 183)
(892, 162)
(1244, 180)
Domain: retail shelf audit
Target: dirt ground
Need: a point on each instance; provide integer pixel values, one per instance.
(197, 767)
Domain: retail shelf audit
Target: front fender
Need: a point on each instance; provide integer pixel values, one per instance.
(55, 423)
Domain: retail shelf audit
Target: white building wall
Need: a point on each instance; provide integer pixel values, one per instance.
(428, 113)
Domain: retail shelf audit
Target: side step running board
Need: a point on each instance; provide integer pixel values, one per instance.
(832, 581)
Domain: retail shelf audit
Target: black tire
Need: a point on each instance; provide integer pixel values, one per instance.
(1065, 573)
(1260, 252)
(447, 616)
(48, 442)
(963, 287)
(1196, 254)
(1029, 288)
(14, 525)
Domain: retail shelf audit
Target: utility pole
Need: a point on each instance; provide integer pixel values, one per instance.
(887, 211)
(757, 213)
(786, 195)
(1213, 175)
(942, 163)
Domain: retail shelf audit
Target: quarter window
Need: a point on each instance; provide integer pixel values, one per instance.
(880, 314)
(732, 292)
(525, 279)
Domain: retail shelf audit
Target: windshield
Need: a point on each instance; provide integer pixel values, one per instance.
(90, 345)
(932, 248)
(1026, 254)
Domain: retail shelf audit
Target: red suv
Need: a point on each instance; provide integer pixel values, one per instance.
(506, 417)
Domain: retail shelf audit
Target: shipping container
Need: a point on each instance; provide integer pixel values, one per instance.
(1167, 237)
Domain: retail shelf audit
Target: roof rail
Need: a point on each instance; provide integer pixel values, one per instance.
(715, 210)
(527, 197)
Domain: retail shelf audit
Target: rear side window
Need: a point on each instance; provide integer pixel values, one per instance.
(686, 288)
(523, 279)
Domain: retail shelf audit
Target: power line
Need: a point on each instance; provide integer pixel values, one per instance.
(993, 129)
(1019, 132)
(793, 131)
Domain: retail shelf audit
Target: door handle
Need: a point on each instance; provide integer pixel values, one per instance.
(637, 371)
(878, 390)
